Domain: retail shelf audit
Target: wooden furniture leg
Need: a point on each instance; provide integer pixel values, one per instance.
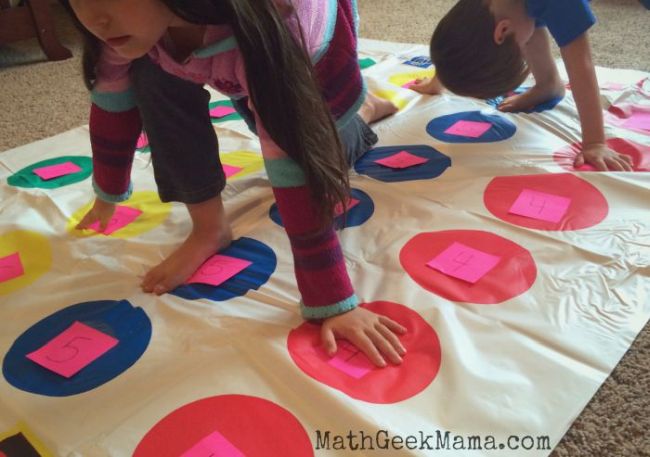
(33, 19)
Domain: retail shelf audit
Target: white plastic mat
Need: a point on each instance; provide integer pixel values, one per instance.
(512, 367)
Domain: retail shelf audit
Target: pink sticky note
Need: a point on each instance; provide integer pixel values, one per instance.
(409, 84)
(143, 141)
(614, 86)
(56, 171)
(638, 120)
(11, 267)
(338, 208)
(213, 445)
(123, 216)
(74, 348)
(218, 269)
(230, 170)
(464, 263)
(540, 205)
(471, 129)
(221, 111)
(351, 360)
(402, 159)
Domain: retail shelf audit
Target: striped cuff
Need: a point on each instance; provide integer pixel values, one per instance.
(112, 198)
(114, 102)
(284, 172)
(323, 312)
(225, 45)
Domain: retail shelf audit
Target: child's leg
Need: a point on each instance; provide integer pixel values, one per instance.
(357, 138)
(185, 157)
(210, 233)
(356, 135)
(548, 84)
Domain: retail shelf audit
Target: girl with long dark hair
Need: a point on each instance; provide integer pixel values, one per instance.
(291, 69)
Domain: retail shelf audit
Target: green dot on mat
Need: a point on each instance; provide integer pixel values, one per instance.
(230, 117)
(27, 178)
(367, 62)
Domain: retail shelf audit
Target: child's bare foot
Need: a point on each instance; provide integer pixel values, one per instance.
(537, 94)
(375, 109)
(210, 233)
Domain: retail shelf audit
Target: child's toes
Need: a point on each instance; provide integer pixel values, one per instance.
(149, 282)
(160, 288)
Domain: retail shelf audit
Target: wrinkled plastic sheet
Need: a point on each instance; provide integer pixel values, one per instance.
(504, 361)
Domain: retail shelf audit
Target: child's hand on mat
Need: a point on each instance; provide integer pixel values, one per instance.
(427, 86)
(101, 211)
(602, 158)
(373, 334)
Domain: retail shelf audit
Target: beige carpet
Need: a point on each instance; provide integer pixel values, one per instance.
(39, 99)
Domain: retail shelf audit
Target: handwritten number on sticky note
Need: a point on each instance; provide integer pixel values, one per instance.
(463, 259)
(540, 207)
(69, 346)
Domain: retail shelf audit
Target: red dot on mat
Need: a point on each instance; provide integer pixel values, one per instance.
(254, 426)
(391, 384)
(639, 153)
(513, 275)
(588, 206)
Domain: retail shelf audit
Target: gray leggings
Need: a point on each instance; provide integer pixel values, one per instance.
(184, 145)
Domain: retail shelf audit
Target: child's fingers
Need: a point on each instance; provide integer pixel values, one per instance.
(599, 164)
(392, 338)
(614, 164)
(392, 325)
(625, 161)
(618, 164)
(625, 158)
(328, 341)
(579, 161)
(384, 346)
(367, 346)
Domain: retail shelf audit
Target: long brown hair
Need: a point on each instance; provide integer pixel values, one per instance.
(468, 61)
(279, 74)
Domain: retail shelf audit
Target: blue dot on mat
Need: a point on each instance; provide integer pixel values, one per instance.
(119, 319)
(501, 128)
(255, 275)
(436, 165)
(544, 106)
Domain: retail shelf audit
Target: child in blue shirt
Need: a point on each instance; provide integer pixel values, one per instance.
(486, 48)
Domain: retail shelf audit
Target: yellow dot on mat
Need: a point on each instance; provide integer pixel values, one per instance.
(251, 162)
(34, 253)
(392, 96)
(402, 78)
(154, 212)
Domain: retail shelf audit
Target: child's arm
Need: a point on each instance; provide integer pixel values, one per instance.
(321, 275)
(548, 83)
(582, 76)
(114, 126)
